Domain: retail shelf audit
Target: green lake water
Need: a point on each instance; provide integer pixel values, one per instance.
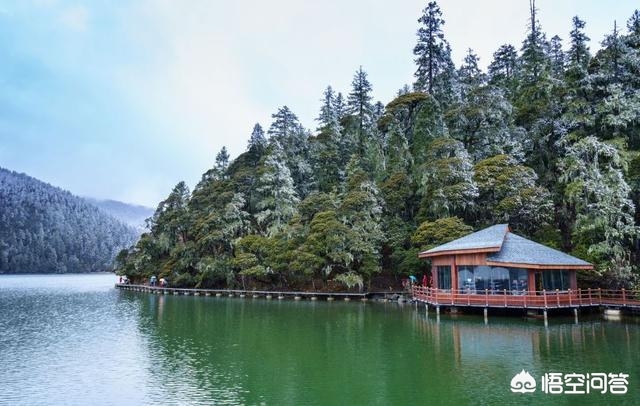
(75, 340)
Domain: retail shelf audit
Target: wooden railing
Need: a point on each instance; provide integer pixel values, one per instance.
(525, 299)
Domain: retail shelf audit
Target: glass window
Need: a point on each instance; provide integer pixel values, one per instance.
(444, 277)
(483, 278)
(499, 279)
(475, 279)
(519, 279)
(552, 280)
(466, 281)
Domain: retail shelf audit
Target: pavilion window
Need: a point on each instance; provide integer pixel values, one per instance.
(444, 277)
(495, 280)
(552, 280)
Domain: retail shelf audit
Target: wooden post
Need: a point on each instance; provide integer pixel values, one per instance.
(624, 298)
(570, 301)
(558, 297)
(575, 314)
(486, 297)
(505, 297)
(544, 294)
(579, 296)
(525, 299)
(486, 315)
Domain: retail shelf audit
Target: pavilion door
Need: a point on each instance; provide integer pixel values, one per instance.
(538, 279)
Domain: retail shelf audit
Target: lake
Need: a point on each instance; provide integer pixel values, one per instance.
(76, 340)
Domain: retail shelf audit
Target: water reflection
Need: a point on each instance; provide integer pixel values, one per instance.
(63, 342)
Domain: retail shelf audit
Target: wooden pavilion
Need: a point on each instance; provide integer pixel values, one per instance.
(496, 261)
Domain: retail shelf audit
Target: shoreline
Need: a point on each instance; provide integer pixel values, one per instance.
(268, 294)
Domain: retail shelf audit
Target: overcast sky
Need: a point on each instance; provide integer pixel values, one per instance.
(124, 99)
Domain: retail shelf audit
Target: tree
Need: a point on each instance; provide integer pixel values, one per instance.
(594, 182)
(171, 216)
(257, 143)
(278, 197)
(293, 139)
(359, 104)
(469, 75)
(556, 57)
(360, 211)
(430, 234)
(578, 55)
(508, 193)
(222, 160)
(504, 68)
(431, 48)
(329, 118)
(447, 184)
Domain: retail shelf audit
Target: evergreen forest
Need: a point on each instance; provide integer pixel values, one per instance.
(546, 139)
(44, 229)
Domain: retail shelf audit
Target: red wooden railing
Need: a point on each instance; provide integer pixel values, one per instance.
(527, 299)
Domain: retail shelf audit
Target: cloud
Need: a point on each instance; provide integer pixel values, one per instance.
(75, 18)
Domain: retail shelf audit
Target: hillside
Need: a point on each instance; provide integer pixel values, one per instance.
(547, 139)
(130, 214)
(44, 229)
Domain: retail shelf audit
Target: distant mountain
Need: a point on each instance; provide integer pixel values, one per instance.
(44, 229)
(130, 214)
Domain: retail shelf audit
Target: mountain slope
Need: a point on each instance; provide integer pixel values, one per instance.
(132, 215)
(46, 229)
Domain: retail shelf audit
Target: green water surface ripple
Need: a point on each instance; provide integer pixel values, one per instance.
(75, 340)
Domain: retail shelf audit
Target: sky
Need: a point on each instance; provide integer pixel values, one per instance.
(124, 99)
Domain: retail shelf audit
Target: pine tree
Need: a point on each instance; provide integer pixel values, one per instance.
(340, 106)
(431, 49)
(503, 69)
(360, 211)
(556, 57)
(535, 63)
(328, 117)
(469, 75)
(278, 197)
(578, 55)
(222, 160)
(359, 104)
(594, 182)
(447, 184)
(257, 143)
(293, 139)
(285, 124)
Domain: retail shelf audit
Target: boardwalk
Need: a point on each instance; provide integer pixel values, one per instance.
(528, 300)
(261, 293)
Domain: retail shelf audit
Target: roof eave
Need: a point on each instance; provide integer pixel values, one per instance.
(427, 254)
(540, 266)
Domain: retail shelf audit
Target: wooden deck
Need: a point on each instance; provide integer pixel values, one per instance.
(529, 300)
(260, 293)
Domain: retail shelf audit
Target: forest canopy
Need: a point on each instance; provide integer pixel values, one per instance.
(44, 229)
(546, 139)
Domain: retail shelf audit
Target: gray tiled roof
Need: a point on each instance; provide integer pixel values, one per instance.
(490, 237)
(509, 248)
(519, 250)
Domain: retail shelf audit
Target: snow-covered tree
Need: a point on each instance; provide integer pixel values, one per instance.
(431, 50)
(447, 184)
(508, 193)
(592, 173)
(278, 197)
